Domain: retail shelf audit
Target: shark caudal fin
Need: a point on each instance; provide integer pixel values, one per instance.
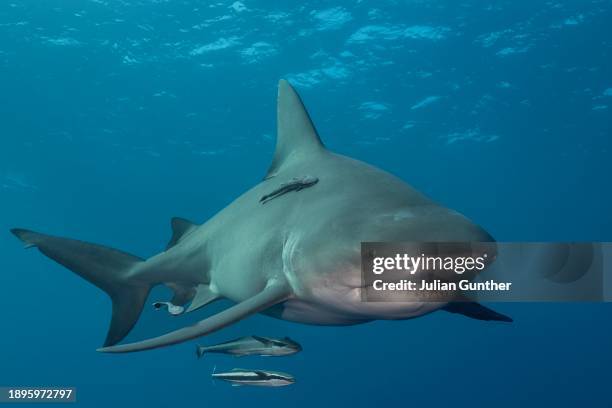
(107, 268)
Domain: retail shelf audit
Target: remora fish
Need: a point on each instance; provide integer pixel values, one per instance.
(253, 345)
(298, 257)
(260, 378)
(296, 184)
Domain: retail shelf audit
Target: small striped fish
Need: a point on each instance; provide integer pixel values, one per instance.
(260, 378)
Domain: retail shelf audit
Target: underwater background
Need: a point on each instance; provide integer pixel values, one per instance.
(116, 115)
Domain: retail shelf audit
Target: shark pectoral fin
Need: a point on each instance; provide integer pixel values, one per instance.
(273, 293)
(204, 295)
(476, 311)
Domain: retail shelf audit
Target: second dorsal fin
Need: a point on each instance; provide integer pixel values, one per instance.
(180, 228)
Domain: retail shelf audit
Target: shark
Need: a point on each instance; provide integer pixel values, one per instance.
(288, 248)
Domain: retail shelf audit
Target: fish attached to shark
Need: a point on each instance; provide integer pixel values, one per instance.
(295, 258)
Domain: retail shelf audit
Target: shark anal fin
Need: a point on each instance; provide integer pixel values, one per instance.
(273, 293)
(204, 295)
(180, 228)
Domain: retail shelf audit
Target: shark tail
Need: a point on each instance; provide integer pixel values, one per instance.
(109, 269)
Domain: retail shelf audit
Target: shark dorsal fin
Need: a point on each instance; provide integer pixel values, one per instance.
(296, 135)
(180, 228)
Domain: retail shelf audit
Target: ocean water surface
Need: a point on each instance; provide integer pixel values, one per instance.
(116, 115)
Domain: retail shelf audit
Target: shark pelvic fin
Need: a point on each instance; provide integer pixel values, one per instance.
(296, 134)
(180, 228)
(204, 295)
(274, 293)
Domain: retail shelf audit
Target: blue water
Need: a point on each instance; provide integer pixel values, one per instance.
(116, 115)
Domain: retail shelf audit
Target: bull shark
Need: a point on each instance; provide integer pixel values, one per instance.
(289, 247)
